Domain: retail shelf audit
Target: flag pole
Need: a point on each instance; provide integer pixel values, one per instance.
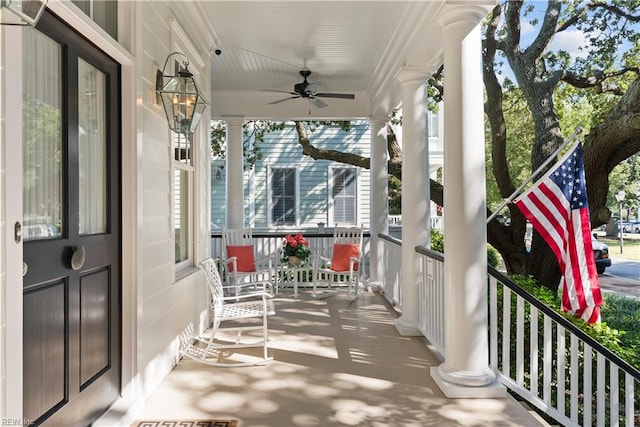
(544, 164)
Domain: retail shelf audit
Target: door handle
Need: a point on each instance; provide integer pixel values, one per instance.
(78, 258)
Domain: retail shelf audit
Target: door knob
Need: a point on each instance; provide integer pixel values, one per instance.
(78, 258)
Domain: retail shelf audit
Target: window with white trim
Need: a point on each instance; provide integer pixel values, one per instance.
(183, 177)
(283, 196)
(344, 195)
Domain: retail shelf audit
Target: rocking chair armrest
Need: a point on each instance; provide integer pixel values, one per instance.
(319, 261)
(266, 262)
(263, 295)
(231, 261)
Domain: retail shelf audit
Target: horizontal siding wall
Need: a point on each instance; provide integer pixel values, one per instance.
(168, 306)
(281, 150)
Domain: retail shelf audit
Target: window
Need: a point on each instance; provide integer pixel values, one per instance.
(183, 172)
(283, 196)
(183, 148)
(104, 13)
(344, 195)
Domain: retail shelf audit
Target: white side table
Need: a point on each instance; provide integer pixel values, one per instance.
(293, 275)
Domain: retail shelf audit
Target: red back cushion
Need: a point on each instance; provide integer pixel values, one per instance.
(341, 255)
(245, 259)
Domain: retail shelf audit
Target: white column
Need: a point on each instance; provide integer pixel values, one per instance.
(415, 201)
(379, 196)
(235, 173)
(465, 371)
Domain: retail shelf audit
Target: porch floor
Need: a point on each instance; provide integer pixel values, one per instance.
(336, 363)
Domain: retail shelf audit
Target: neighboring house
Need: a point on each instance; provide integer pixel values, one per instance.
(286, 189)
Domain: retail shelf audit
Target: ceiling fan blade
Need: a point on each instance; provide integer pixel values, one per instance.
(279, 91)
(285, 99)
(336, 95)
(319, 103)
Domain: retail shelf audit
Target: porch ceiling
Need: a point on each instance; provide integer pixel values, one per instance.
(350, 46)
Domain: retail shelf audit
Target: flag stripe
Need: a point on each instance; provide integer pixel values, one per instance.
(557, 208)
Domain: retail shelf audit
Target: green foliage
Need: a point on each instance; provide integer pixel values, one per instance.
(493, 257)
(625, 176)
(437, 244)
(437, 240)
(394, 187)
(619, 330)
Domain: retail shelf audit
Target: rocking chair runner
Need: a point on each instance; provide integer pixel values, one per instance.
(244, 269)
(208, 349)
(343, 266)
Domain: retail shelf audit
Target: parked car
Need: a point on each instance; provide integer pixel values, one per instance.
(627, 227)
(635, 227)
(601, 255)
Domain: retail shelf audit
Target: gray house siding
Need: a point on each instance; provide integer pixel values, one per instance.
(281, 150)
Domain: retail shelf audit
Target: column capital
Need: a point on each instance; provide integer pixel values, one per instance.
(233, 120)
(378, 120)
(413, 74)
(471, 14)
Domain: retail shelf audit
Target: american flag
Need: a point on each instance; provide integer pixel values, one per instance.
(557, 208)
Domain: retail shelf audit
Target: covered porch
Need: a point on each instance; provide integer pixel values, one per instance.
(336, 363)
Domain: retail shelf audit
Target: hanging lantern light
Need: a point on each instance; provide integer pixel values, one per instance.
(183, 104)
(21, 12)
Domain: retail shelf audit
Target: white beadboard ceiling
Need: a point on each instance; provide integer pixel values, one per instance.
(350, 47)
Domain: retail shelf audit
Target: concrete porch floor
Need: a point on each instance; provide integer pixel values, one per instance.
(336, 363)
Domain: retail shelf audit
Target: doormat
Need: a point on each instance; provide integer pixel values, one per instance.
(185, 423)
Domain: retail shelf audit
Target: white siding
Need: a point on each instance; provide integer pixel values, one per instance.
(168, 306)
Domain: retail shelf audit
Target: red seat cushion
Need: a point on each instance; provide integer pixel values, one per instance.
(341, 254)
(246, 262)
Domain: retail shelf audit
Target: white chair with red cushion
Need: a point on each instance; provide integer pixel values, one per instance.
(343, 266)
(246, 271)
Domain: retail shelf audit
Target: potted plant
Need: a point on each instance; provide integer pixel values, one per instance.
(295, 250)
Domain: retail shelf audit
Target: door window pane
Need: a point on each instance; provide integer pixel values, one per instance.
(41, 130)
(283, 196)
(92, 143)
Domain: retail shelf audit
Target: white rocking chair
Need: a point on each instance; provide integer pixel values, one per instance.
(343, 266)
(210, 349)
(245, 270)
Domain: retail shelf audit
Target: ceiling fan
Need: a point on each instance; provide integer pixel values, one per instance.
(308, 90)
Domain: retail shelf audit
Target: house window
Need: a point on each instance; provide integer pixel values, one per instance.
(183, 173)
(283, 196)
(344, 195)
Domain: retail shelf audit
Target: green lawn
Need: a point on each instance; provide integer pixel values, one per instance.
(630, 245)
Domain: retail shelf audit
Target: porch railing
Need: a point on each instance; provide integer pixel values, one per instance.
(539, 354)
(268, 243)
(391, 249)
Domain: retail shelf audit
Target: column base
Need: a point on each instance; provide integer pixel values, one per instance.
(375, 286)
(407, 329)
(467, 385)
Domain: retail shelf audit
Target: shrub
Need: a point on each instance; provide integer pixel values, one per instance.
(437, 244)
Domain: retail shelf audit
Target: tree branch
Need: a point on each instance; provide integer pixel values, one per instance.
(597, 80)
(582, 12)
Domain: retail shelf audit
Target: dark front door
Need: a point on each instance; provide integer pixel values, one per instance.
(71, 227)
